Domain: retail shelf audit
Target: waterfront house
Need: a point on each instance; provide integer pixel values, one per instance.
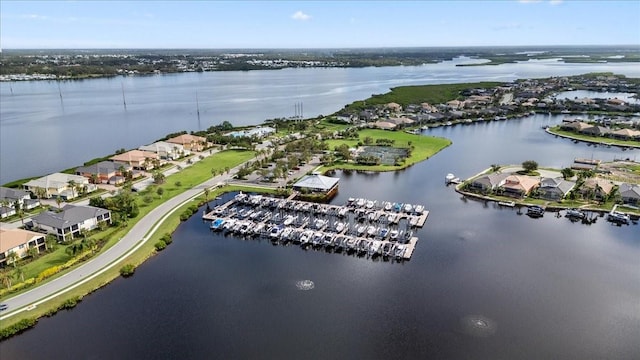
(486, 183)
(384, 125)
(10, 196)
(18, 241)
(625, 134)
(394, 107)
(105, 172)
(630, 193)
(518, 185)
(257, 132)
(166, 150)
(577, 126)
(70, 221)
(596, 131)
(7, 210)
(138, 159)
(59, 185)
(554, 188)
(317, 183)
(189, 142)
(596, 188)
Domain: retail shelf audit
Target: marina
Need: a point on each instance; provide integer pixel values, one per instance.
(361, 226)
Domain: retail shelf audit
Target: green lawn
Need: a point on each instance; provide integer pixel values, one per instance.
(329, 126)
(424, 148)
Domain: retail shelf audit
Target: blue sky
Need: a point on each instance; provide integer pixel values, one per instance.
(315, 24)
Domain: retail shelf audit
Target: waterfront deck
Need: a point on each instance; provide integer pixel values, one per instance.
(373, 229)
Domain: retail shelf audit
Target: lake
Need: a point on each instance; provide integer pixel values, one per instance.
(483, 283)
(48, 126)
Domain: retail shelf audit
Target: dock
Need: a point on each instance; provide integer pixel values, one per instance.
(360, 226)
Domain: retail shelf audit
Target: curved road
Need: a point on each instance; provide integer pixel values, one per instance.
(129, 243)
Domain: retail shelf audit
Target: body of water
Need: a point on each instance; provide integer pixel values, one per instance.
(483, 283)
(47, 126)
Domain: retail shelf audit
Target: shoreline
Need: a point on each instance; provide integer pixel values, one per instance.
(595, 141)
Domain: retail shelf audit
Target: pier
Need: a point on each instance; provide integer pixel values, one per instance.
(360, 226)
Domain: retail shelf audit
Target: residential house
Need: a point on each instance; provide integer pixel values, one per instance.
(596, 188)
(60, 185)
(19, 241)
(257, 132)
(138, 159)
(166, 150)
(70, 221)
(393, 107)
(190, 142)
(6, 211)
(384, 125)
(9, 197)
(577, 126)
(596, 131)
(486, 183)
(105, 172)
(554, 188)
(519, 185)
(630, 193)
(625, 134)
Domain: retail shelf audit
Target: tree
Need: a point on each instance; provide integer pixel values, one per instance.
(19, 273)
(158, 177)
(19, 211)
(206, 194)
(344, 152)
(12, 257)
(529, 165)
(6, 278)
(58, 201)
(368, 140)
(94, 178)
(33, 252)
(51, 242)
(72, 186)
(40, 193)
(567, 173)
(495, 167)
(160, 191)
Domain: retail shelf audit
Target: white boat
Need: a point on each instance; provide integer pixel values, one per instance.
(343, 212)
(575, 213)
(374, 247)
(507, 203)
(387, 249)
(286, 233)
(419, 209)
(399, 251)
(351, 243)
(408, 208)
(360, 202)
(319, 224)
(618, 217)
(393, 234)
(388, 206)
(369, 204)
(288, 220)
(372, 230)
(413, 221)
(339, 227)
(275, 232)
(258, 228)
(391, 218)
(449, 178)
(361, 230)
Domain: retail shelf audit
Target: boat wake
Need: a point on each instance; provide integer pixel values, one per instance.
(478, 325)
(305, 285)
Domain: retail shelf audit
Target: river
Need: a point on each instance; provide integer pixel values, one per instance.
(47, 126)
(483, 283)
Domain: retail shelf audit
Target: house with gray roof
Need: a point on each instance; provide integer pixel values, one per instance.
(554, 188)
(630, 193)
(70, 221)
(317, 183)
(486, 183)
(8, 197)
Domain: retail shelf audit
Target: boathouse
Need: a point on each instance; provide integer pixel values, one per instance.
(317, 183)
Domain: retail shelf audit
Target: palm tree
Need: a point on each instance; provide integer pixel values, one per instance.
(19, 273)
(12, 257)
(33, 251)
(206, 194)
(95, 178)
(50, 242)
(58, 201)
(19, 211)
(6, 278)
(72, 185)
(40, 193)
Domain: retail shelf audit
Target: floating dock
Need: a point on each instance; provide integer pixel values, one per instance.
(360, 226)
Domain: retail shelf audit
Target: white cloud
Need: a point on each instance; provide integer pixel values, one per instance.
(555, 2)
(299, 15)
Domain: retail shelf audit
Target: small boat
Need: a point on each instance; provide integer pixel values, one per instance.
(328, 240)
(391, 218)
(361, 230)
(387, 249)
(388, 206)
(449, 178)
(414, 221)
(339, 242)
(318, 239)
(575, 214)
(393, 234)
(339, 227)
(384, 232)
(419, 209)
(507, 203)
(350, 200)
(286, 234)
(397, 207)
(371, 230)
(360, 202)
(408, 208)
(351, 243)
(276, 231)
(306, 236)
(257, 230)
(245, 228)
(535, 211)
(343, 212)
(374, 247)
(618, 217)
(399, 251)
(369, 204)
(319, 224)
(288, 220)
(217, 225)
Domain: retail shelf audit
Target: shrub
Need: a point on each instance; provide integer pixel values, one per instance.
(167, 238)
(17, 328)
(160, 245)
(127, 270)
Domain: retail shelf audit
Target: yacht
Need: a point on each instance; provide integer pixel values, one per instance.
(618, 217)
(288, 220)
(408, 208)
(535, 211)
(393, 234)
(391, 218)
(419, 209)
(339, 227)
(384, 232)
(217, 225)
(374, 247)
(319, 224)
(343, 212)
(371, 230)
(361, 230)
(399, 251)
(351, 243)
(275, 232)
(387, 249)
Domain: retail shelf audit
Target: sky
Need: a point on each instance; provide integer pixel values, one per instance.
(315, 24)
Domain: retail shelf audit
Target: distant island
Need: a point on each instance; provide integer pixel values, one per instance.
(19, 65)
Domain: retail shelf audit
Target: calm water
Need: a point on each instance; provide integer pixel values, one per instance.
(41, 133)
(546, 288)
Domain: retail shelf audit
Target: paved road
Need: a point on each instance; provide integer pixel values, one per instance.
(129, 243)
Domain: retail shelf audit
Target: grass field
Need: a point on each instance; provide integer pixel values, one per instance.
(424, 148)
